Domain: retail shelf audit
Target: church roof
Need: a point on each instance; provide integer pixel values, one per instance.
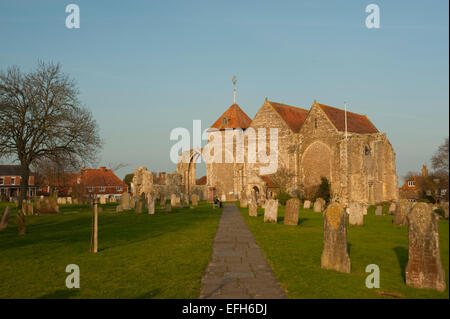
(234, 117)
(292, 115)
(356, 123)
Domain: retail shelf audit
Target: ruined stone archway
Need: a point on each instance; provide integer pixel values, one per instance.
(186, 167)
(315, 163)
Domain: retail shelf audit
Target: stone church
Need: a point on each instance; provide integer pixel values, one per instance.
(324, 141)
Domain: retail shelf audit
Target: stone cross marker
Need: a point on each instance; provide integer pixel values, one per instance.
(356, 213)
(401, 212)
(379, 210)
(271, 211)
(307, 204)
(5, 218)
(424, 269)
(252, 208)
(194, 199)
(335, 254)
(291, 214)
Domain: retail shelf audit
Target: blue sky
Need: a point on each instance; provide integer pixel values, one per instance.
(146, 67)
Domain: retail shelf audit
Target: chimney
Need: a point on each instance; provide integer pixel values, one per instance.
(424, 171)
(102, 168)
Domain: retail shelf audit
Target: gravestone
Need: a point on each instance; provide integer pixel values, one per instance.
(119, 209)
(151, 206)
(356, 213)
(335, 254)
(391, 209)
(125, 201)
(173, 200)
(319, 205)
(139, 206)
(168, 208)
(444, 207)
(102, 199)
(271, 211)
(243, 203)
(223, 198)
(5, 218)
(401, 212)
(291, 213)
(132, 202)
(307, 204)
(379, 210)
(424, 269)
(30, 209)
(194, 200)
(252, 208)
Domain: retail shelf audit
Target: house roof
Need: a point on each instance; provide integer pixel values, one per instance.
(100, 177)
(292, 115)
(235, 118)
(356, 123)
(268, 181)
(201, 181)
(11, 170)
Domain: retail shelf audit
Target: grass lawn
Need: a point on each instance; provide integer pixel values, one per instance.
(294, 253)
(140, 255)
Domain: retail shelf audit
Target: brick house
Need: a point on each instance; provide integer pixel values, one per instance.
(416, 187)
(10, 176)
(94, 182)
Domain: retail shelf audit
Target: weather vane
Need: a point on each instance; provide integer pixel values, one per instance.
(234, 80)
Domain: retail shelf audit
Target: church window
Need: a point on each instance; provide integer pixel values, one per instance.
(315, 123)
(366, 150)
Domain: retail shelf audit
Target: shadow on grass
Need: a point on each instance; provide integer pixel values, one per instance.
(402, 257)
(61, 294)
(150, 294)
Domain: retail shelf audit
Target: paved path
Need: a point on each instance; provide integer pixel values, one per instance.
(237, 268)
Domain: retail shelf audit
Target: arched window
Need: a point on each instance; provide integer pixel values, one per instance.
(315, 123)
(366, 150)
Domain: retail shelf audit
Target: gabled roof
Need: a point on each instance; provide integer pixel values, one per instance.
(292, 115)
(100, 177)
(235, 118)
(356, 123)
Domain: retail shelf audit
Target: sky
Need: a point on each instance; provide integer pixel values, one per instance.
(146, 67)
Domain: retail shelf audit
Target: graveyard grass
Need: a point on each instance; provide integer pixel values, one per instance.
(140, 255)
(294, 253)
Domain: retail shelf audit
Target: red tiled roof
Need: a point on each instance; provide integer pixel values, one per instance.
(235, 118)
(201, 181)
(356, 123)
(292, 115)
(268, 181)
(100, 177)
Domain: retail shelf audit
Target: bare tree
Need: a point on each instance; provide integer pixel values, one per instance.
(439, 160)
(282, 178)
(42, 117)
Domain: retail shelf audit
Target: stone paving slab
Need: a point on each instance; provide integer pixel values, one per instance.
(238, 268)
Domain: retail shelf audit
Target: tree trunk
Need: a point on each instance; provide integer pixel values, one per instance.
(22, 196)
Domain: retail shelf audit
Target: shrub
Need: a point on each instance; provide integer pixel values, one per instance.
(283, 198)
(324, 190)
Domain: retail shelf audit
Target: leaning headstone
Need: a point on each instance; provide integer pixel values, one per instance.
(424, 269)
(194, 198)
(271, 211)
(291, 213)
(379, 210)
(391, 209)
(356, 213)
(151, 206)
(307, 204)
(318, 205)
(252, 208)
(5, 218)
(125, 201)
(335, 254)
(401, 212)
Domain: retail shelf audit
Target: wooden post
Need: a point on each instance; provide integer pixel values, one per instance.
(94, 229)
